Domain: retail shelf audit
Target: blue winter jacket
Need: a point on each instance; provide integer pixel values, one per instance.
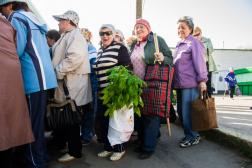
(231, 80)
(92, 54)
(33, 52)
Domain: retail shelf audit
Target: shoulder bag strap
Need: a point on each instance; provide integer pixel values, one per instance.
(65, 89)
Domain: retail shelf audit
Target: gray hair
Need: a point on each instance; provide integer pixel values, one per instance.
(120, 34)
(110, 27)
(188, 20)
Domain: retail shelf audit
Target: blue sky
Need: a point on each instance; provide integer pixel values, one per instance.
(227, 22)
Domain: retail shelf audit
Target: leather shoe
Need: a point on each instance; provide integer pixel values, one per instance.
(145, 155)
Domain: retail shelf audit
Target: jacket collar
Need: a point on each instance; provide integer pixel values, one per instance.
(187, 40)
(150, 37)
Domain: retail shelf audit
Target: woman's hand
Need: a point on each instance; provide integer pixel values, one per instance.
(202, 86)
(159, 57)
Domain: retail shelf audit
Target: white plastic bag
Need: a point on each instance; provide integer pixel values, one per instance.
(121, 126)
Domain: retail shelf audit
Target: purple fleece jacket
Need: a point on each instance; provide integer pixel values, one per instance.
(190, 66)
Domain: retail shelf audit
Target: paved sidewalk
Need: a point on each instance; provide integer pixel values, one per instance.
(235, 116)
(206, 154)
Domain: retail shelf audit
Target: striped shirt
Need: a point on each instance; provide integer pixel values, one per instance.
(113, 55)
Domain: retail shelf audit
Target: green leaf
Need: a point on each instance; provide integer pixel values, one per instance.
(124, 89)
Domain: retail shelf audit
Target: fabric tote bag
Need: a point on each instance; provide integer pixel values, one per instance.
(203, 113)
(156, 96)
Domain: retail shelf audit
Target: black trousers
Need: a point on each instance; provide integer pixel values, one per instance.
(6, 158)
(71, 135)
(74, 140)
(209, 84)
(209, 81)
(232, 90)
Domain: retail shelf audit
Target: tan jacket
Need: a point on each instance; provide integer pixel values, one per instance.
(71, 63)
(15, 124)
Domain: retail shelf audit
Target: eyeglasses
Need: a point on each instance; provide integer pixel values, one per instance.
(108, 33)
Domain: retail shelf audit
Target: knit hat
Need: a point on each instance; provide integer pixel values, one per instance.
(3, 2)
(108, 26)
(143, 22)
(68, 15)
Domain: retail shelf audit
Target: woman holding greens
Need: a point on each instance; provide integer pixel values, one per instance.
(110, 54)
(142, 54)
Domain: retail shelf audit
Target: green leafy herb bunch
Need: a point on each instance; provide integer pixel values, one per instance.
(124, 89)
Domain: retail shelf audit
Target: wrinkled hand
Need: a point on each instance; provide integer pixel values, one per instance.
(159, 57)
(202, 86)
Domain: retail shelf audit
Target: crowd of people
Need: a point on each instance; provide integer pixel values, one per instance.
(38, 64)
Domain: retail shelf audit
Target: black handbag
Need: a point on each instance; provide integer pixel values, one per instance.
(64, 114)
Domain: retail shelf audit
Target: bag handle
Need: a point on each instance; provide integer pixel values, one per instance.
(65, 89)
(156, 46)
(204, 97)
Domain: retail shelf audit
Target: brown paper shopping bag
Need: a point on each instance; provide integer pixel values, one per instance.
(203, 113)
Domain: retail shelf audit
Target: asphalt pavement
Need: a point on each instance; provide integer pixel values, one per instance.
(234, 118)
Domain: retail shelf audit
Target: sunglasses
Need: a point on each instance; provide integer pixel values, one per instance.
(108, 33)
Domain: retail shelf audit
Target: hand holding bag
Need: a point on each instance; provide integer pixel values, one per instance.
(64, 113)
(156, 96)
(203, 113)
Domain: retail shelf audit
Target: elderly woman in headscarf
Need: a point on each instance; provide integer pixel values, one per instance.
(143, 53)
(71, 64)
(190, 77)
(110, 54)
